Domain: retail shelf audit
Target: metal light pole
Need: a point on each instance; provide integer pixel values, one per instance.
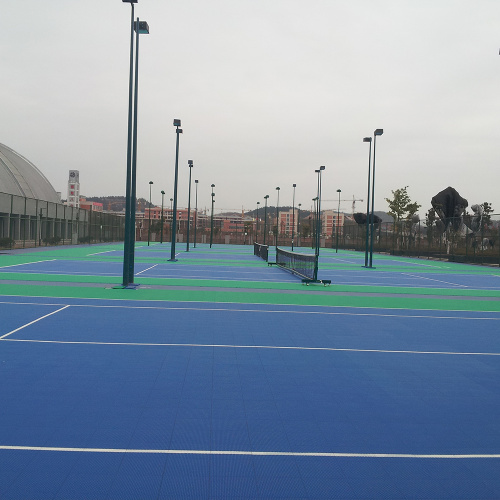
(368, 139)
(377, 132)
(298, 224)
(126, 243)
(277, 217)
(257, 224)
(190, 164)
(141, 27)
(212, 217)
(318, 205)
(129, 236)
(177, 124)
(149, 212)
(171, 218)
(337, 224)
(161, 218)
(195, 211)
(265, 218)
(293, 213)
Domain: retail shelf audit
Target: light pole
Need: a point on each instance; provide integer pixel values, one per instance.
(195, 210)
(178, 130)
(190, 164)
(171, 218)
(293, 213)
(257, 224)
(126, 243)
(141, 27)
(298, 224)
(265, 218)
(314, 227)
(212, 217)
(318, 206)
(377, 132)
(369, 140)
(129, 236)
(161, 218)
(149, 212)
(277, 217)
(337, 224)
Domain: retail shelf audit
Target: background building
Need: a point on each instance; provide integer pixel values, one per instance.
(73, 199)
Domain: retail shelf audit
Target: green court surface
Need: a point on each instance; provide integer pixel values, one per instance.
(393, 283)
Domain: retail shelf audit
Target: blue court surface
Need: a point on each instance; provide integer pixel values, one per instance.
(111, 398)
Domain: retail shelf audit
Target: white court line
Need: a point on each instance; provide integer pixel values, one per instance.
(248, 453)
(432, 279)
(404, 262)
(230, 346)
(99, 253)
(266, 311)
(137, 274)
(27, 263)
(34, 321)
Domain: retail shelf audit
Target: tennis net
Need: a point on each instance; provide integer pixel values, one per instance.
(261, 251)
(304, 265)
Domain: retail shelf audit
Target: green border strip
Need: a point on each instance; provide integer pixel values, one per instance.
(218, 296)
(39, 279)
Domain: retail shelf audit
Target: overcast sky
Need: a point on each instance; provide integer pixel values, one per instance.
(267, 91)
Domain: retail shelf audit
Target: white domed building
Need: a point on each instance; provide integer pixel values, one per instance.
(32, 214)
(19, 177)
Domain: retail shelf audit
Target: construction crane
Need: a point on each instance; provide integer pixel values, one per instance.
(354, 200)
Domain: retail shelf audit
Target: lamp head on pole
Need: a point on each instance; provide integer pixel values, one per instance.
(196, 181)
(339, 190)
(212, 185)
(151, 182)
(162, 192)
(129, 1)
(143, 28)
(190, 163)
(294, 185)
(379, 131)
(177, 122)
(266, 197)
(277, 189)
(367, 139)
(322, 167)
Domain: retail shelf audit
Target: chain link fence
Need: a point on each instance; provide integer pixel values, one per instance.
(27, 222)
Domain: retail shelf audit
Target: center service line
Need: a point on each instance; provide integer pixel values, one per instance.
(34, 321)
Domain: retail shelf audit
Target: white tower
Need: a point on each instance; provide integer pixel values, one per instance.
(74, 189)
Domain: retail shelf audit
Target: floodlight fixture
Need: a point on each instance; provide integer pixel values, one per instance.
(379, 131)
(177, 122)
(143, 28)
(367, 139)
(129, 1)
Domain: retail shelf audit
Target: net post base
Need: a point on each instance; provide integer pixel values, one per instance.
(324, 282)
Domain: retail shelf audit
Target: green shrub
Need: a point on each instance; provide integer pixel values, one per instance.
(6, 242)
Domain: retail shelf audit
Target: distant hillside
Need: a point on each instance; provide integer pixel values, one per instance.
(117, 203)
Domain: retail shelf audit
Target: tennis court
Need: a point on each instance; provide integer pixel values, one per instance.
(221, 377)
